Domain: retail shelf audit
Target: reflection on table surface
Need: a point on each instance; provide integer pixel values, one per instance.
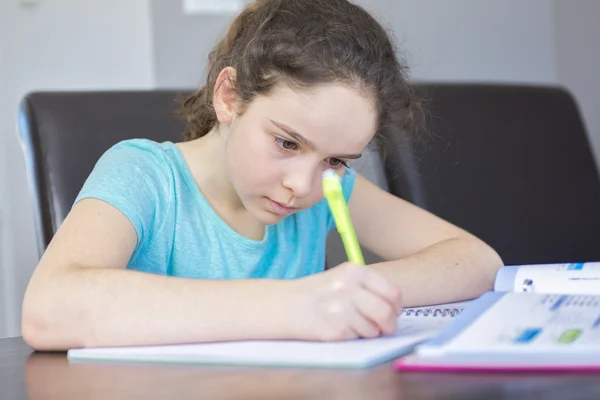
(25, 374)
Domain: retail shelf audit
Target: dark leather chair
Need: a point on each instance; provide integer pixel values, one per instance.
(63, 135)
(512, 164)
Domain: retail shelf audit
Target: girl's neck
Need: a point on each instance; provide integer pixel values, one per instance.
(206, 160)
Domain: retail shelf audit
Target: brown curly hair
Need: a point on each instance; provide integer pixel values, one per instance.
(304, 43)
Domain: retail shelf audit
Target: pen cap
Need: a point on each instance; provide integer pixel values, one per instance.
(332, 190)
(332, 187)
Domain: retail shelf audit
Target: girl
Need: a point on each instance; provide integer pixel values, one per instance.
(222, 237)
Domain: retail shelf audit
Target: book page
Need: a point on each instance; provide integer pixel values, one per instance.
(536, 323)
(505, 278)
(574, 278)
(349, 353)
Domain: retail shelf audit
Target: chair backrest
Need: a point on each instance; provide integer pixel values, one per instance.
(63, 134)
(511, 164)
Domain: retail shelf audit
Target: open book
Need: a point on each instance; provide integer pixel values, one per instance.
(540, 317)
(415, 325)
(574, 278)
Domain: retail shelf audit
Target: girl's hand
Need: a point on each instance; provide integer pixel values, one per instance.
(345, 302)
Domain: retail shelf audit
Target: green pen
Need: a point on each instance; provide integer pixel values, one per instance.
(332, 190)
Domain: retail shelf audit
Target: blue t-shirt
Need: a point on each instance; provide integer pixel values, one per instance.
(180, 234)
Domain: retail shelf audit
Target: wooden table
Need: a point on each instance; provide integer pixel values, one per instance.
(28, 375)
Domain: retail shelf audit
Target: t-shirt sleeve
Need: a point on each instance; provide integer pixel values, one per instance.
(130, 177)
(348, 179)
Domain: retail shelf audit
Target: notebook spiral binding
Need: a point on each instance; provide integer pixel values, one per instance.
(432, 312)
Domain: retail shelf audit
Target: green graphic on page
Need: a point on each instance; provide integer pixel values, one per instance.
(569, 336)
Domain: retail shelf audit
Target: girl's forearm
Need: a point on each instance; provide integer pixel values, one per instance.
(88, 307)
(456, 269)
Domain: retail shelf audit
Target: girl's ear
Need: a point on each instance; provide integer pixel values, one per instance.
(225, 98)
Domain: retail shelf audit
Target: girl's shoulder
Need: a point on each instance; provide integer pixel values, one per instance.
(140, 157)
(132, 168)
(143, 150)
(136, 176)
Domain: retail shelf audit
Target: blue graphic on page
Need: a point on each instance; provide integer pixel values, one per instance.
(528, 335)
(558, 303)
(575, 267)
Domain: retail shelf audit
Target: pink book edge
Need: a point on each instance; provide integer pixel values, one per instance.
(400, 365)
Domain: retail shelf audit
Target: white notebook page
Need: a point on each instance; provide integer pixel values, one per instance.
(353, 353)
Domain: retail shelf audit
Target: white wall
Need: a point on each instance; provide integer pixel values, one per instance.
(492, 40)
(578, 58)
(58, 44)
(3, 196)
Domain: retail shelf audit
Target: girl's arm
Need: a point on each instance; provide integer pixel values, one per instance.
(429, 259)
(81, 295)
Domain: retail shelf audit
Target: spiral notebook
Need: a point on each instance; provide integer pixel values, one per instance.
(415, 325)
(438, 311)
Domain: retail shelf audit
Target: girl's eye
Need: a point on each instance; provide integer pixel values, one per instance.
(336, 163)
(286, 144)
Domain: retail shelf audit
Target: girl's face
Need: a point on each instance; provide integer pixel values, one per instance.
(278, 148)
